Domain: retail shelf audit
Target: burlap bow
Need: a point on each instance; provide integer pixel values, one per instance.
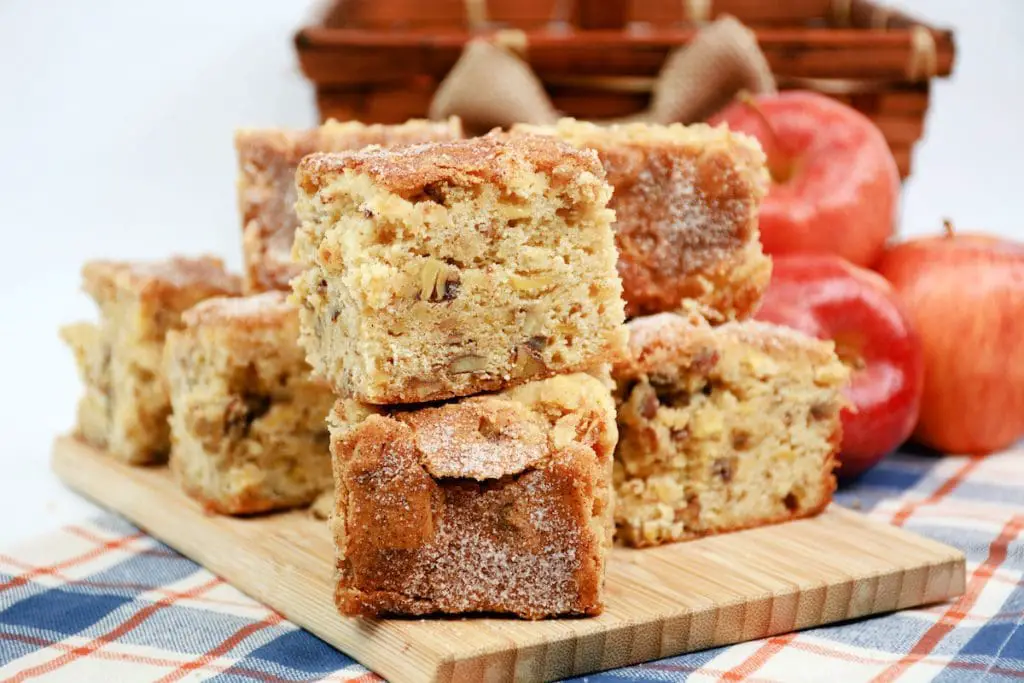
(492, 86)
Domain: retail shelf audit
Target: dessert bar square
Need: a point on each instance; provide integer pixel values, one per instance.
(447, 269)
(267, 159)
(125, 406)
(723, 428)
(686, 200)
(249, 431)
(494, 503)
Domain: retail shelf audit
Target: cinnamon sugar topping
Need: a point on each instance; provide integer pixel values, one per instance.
(477, 505)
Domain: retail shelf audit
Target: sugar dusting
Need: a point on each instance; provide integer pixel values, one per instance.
(267, 307)
(684, 195)
(523, 541)
(672, 219)
(686, 201)
(479, 438)
(182, 272)
(777, 338)
(661, 329)
(511, 546)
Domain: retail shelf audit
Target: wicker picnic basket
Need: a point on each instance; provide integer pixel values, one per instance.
(381, 60)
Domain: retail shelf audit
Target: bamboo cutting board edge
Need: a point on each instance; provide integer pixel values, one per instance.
(661, 601)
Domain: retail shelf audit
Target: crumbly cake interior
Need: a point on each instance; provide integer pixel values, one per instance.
(494, 503)
(125, 406)
(687, 200)
(723, 428)
(444, 270)
(266, 183)
(248, 425)
(323, 507)
(92, 358)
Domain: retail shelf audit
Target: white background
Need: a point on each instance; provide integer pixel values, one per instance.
(115, 141)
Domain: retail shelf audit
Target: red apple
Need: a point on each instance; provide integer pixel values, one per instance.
(965, 296)
(827, 297)
(835, 185)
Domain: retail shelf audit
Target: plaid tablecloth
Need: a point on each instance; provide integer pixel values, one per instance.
(103, 602)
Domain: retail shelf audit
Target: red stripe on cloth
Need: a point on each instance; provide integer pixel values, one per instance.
(962, 607)
(1007, 581)
(688, 668)
(833, 653)
(100, 654)
(22, 579)
(150, 661)
(963, 512)
(142, 588)
(998, 616)
(89, 536)
(775, 645)
(371, 677)
(948, 486)
(755, 661)
(368, 677)
(226, 646)
(96, 643)
(341, 677)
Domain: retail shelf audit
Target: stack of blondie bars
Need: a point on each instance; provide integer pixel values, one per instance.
(462, 300)
(430, 329)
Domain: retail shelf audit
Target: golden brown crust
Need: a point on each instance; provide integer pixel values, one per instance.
(250, 501)
(269, 309)
(668, 338)
(201, 277)
(686, 202)
(266, 185)
(525, 539)
(491, 159)
(437, 391)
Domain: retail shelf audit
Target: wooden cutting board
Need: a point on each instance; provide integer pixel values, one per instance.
(660, 602)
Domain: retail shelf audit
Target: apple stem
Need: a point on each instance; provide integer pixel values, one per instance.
(947, 225)
(780, 161)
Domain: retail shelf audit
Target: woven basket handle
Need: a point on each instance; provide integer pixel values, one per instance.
(588, 14)
(613, 14)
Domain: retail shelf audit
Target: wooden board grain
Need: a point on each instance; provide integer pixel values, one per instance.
(661, 601)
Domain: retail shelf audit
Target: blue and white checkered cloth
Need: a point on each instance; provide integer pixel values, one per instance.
(103, 602)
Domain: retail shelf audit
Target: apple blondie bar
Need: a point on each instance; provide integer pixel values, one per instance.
(686, 203)
(723, 428)
(125, 406)
(248, 427)
(494, 503)
(267, 159)
(447, 269)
